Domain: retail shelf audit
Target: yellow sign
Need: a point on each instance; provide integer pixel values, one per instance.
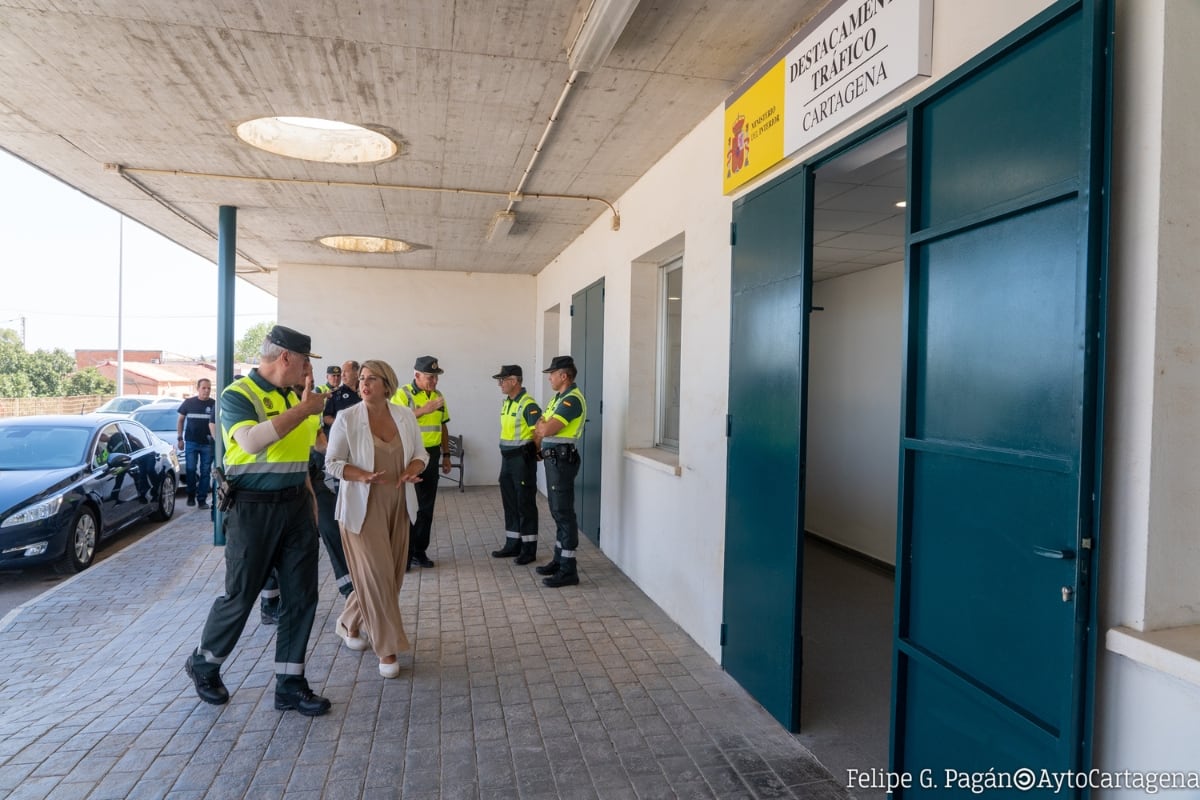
(754, 129)
(848, 57)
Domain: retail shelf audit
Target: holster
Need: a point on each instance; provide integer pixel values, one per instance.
(225, 493)
(567, 453)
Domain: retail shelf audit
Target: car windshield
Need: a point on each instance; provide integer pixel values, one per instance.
(122, 404)
(158, 419)
(42, 447)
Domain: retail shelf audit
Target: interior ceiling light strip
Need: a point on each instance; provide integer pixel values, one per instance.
(511, 196)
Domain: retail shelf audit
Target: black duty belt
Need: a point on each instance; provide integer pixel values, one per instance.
(513, 452)
(558, 451)
(291, 492)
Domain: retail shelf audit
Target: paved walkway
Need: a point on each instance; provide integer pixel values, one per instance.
(512, 690)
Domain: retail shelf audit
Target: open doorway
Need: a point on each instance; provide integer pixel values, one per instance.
(853, 411)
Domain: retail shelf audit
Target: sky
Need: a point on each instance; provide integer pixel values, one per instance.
(62, 261)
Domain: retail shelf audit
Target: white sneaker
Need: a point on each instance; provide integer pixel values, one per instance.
(391, 670)
(355, 642)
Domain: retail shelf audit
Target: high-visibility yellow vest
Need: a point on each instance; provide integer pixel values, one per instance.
(572, 430)
(283, 463)
(514, 430)
(431, 423)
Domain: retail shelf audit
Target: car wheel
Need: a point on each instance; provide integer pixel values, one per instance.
(81, 542)
(166, 499)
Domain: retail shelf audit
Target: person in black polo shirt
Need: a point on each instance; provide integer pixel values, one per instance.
(196, 426)
(326, 487)
(343, 396)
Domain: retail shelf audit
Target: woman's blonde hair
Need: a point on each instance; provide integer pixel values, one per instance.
(385, 372)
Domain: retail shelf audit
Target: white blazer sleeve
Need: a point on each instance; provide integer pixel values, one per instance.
(338, 450)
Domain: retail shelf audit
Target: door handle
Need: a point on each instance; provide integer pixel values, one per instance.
(1049, 552)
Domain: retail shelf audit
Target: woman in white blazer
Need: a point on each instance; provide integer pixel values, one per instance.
(375, 450)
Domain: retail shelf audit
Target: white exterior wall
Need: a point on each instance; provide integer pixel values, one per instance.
(666, 531)
(472, 322)
(1148, 696)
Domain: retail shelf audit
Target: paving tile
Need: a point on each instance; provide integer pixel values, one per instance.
(510, 693)
(73, 790)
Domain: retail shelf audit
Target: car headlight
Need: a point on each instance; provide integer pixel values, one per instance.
(43, 510)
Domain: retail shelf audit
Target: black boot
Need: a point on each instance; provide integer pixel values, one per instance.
(528, 552)
(512, 546)
(566, 575)
(549, 568)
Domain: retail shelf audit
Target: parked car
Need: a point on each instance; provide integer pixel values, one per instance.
(162, 418)
(69, 482)
(125, 403)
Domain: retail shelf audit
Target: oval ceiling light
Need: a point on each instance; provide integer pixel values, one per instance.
(315, 139)
(367, 244)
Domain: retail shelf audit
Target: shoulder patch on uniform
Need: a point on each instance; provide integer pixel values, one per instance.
(566, 402)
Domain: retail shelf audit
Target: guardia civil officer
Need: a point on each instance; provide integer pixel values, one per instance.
(556, 436)
(333, 379)
(267, 431)
(519, 413)
(429, 406)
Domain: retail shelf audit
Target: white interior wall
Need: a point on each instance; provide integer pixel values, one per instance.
(472, 322)
(855, 349)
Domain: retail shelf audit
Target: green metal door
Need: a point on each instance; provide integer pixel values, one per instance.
(761, 646)
(1000, 424)
(587, 348)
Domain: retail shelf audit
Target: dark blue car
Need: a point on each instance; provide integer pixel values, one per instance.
(68, 482)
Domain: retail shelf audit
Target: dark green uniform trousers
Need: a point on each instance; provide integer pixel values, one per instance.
(518, 495)
(560, 496)
(258, 538)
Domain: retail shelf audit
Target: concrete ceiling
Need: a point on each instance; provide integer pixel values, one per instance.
(465, 86)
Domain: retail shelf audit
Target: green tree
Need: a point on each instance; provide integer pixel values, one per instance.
(249, 346)
(48, 371)
(12, 354)
(15, 384)
(42, 373)
(89, 381)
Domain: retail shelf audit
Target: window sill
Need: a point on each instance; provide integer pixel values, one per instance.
(657, 459)
(1173, 651)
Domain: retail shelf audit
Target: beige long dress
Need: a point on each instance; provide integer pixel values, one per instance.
(377, 556)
